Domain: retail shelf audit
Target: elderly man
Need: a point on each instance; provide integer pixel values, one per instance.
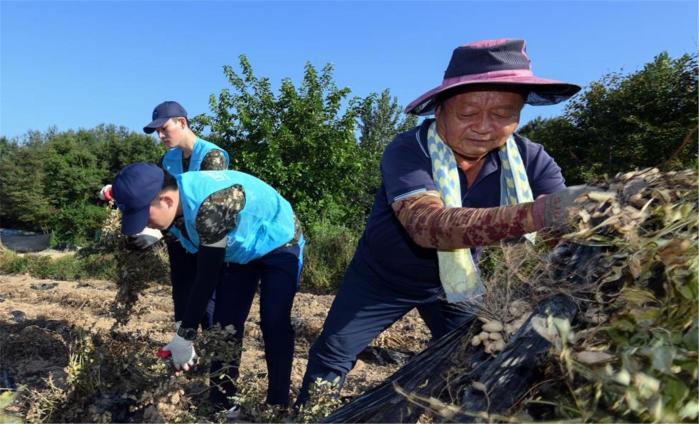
(450, 185)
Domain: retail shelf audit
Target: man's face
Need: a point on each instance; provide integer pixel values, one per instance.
(163, 211)
(475, 122)
(172, 132)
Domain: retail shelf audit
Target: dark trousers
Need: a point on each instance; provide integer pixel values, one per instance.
(362, 309)
(278, 276)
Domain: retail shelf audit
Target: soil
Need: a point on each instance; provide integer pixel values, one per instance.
(34, 314)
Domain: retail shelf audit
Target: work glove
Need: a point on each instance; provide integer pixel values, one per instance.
(146, 238)
(552, 210)
(182, 351)
(106, 193)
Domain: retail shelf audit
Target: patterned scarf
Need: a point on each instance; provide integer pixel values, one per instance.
(457, 271)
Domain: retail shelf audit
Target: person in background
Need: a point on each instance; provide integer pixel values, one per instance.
(455, 183)
(186, 152)
(241, 232)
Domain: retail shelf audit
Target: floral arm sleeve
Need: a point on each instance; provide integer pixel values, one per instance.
(430, 224)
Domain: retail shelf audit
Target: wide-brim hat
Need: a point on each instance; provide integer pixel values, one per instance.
(495, 62)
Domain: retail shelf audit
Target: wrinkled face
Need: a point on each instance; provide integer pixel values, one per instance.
(163, 211)
(475, 122)
(172, 132)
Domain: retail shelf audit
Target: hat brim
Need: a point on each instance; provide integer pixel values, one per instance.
(134, 222)
(157, 123)
(541, 91)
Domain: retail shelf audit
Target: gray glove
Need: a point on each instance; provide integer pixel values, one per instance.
(146, 238)
(551, 211)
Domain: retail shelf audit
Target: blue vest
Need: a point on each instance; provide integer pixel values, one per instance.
(172, 163)
(265, 223)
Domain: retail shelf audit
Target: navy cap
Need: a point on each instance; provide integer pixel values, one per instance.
(133, 189)
(162, 113)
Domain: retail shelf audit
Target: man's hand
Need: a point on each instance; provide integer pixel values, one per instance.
(183, 354)
(106, 193)
(146, 238)
(552, 210)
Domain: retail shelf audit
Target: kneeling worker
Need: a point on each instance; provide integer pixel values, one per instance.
(242, 231)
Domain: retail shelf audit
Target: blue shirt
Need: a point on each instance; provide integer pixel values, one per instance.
(387, 250)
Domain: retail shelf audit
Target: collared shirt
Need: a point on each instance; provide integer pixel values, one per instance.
(387, 250)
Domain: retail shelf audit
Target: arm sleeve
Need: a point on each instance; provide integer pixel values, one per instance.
(214, 160)
(209, 263)
(431, 225)
(216, 217)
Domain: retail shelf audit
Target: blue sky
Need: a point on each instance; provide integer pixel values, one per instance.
(78, 64)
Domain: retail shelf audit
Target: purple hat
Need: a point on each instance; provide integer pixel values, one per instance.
(502, 61)
(162, 113)
(134, 188)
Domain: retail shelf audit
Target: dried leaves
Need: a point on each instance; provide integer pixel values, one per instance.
(631, 261)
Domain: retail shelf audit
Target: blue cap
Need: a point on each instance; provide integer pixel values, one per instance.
(162, 113)
(133, 189)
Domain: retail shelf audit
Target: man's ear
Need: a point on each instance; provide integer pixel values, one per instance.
(167, 198)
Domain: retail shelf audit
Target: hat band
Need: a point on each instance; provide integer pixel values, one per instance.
(487, 76)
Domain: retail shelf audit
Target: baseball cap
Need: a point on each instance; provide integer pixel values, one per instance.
(162, 113)
(133, 189)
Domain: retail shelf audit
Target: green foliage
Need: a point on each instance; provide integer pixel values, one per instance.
(49, 181)
(302, 141)
(380, 120)
(298, 141)
(65, 267)
(22, 176)
(6, 399)
(621, 122)
(329, 250)
(323, 400)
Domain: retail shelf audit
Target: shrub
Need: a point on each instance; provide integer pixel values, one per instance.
(66, 267)
(329, 250)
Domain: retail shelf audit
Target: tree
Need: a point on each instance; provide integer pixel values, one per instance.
(74, 180)
(23, 203)
(630, 121)
(116, 147)
(300, 141)
(380, 120)
(49, 181)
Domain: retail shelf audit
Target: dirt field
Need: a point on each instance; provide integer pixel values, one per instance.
(36, 314)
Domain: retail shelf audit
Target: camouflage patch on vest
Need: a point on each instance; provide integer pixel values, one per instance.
(177, 223)
(215, 160)
(218, 214)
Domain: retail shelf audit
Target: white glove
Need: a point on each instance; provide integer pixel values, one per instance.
(106, 193)
(183, 354)
(146, 238)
